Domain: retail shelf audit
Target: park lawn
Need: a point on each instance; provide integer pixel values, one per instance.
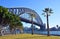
(28, 36)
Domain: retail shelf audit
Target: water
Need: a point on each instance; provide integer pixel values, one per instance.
(44, 32)
(37, 32)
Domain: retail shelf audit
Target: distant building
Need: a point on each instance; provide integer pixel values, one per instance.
(43, 27)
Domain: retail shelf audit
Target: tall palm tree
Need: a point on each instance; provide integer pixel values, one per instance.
(47, 12)
(32, 15)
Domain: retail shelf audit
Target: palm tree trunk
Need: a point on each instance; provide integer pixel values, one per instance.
(32, 26)
(47, 26)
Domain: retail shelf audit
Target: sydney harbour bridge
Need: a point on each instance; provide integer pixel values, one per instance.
(22, 12)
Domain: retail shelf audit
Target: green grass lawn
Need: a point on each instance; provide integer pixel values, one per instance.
(28, 36)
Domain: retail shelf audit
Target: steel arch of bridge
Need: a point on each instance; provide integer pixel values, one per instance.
(21, 10)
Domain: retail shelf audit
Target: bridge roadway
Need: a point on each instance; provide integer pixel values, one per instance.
(28, 21)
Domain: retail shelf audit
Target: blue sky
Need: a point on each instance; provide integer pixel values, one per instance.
(38, 6)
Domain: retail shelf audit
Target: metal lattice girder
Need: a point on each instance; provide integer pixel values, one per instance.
(22, 10)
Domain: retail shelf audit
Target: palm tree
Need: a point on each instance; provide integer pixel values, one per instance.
(32, 15)
(57, 27)
(47, 12)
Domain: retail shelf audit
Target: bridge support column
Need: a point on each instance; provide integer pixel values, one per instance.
(42, 28)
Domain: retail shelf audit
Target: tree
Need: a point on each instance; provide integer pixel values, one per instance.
(3, 17)
(15, 22)
(20, 26)
(32, 15)
(47, 12)
(9, 18)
